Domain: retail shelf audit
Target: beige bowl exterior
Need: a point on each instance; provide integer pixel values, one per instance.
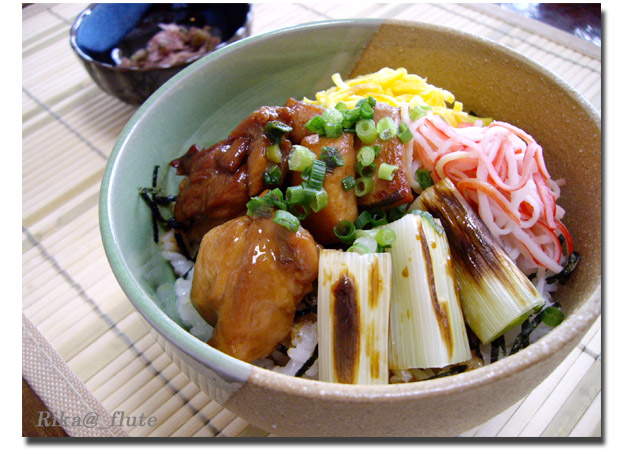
(490, 80)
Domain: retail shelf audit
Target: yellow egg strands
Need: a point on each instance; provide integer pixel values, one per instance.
(395, 87)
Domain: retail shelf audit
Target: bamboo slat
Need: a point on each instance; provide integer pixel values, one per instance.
(69, 127)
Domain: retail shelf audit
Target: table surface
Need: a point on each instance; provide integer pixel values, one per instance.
(84, 347)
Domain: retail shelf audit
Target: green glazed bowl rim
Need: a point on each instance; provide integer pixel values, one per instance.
(237, 371)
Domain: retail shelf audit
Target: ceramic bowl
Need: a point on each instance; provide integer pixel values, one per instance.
(207, 100)
(103, 32)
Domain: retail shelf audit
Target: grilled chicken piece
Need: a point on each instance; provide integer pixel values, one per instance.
(300, 114)
(215, 189)
(221, 179)
(342, 204)
(386, 194)
(249, 276)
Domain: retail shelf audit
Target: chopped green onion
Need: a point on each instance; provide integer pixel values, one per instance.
(300, 157)
(385, 237)
(386, 128)
(286, 219)
(273, 153)
(378, 217)
(316, 125)
(333, 122)
(319, 201)
(417, 112)
(377, 149)
(333, 130)
(397, 212)
(275, 130)
(359, 248)
(366, 131)
(341, 106)
(366, 111)
(368, 171)
(351, 117)
(552, 316)
(387, 171)
(363, 220)
(363, 186)
(317, 175)
(437, 227)
(370, 100)
(423, 177)
(332, 157)
(345, 231)
(276, 198)
(405, 134)
(258, 206)
(366, 156)
(348, 183)
(272, 175)
(299, 211)
(299, 195)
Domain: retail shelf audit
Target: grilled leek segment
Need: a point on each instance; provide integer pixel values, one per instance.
(353, 311)
(495, 294)
(427, 326)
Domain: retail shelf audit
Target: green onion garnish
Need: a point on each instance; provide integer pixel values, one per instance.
(387, 171)
(366, 111)
(366, 131)
(317, 175)
(385, 237)
(351, 117)
(341, 106)
(368, 171)
(363, 220)
(333, 122)
(316, 125)
(370, 100)
(272, 175)
(397, 212)
(359, 248)
(437, 227)
(348, 183)
(417, 112)
(299, 211)
(275, 130)
(345, 231)
(363, 186)
(552, 316)
(300, 157)
(405, 134)
(273, 153)
(319, 201)
(332, 157)
(299, 195)
(386, 128)
(423, 177)
(258, 206)
(286, 219)
(378, 217)
(366, 156)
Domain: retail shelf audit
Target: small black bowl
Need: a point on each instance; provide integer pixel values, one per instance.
(102, 31)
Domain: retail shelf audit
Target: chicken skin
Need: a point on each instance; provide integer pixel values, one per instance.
(249, 276)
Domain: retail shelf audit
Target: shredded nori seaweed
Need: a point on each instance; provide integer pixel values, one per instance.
(151, 196)
(303, 369)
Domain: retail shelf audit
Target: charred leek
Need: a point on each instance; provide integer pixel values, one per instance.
(426, 322)
(353, 307)
(495, 294)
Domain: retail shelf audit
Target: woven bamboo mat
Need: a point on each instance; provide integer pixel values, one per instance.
(85, 349)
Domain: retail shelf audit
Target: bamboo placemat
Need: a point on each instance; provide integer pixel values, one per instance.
(85, 349)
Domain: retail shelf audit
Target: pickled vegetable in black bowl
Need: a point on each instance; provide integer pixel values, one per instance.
(130, 50)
